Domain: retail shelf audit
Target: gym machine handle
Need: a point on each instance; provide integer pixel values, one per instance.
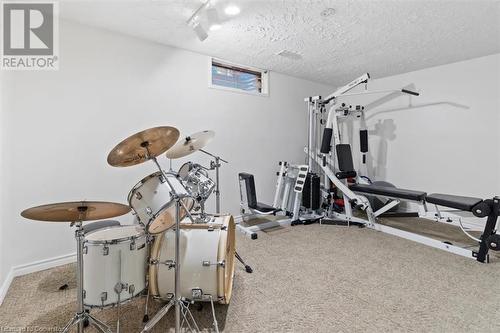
(410, 92)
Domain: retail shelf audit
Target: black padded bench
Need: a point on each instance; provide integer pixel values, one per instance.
(453, 201)
(252, 196)
(399, 193)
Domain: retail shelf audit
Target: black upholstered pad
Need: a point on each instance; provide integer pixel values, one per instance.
(390, 192)
(453, 201)
(262, 207)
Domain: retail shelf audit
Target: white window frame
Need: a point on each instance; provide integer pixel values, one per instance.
(264, 78)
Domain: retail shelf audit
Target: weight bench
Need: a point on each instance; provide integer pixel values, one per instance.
(480, 208)
(489, 208)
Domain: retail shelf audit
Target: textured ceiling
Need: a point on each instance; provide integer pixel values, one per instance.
(380, 37)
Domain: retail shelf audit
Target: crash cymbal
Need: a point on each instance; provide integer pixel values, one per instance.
(190, 144)
(133, 150)
(75, 211)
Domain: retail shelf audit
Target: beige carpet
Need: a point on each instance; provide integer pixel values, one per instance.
(307, 279)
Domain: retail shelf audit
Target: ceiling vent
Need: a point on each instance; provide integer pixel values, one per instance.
(289, 55)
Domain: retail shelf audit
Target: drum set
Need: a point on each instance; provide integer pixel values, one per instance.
(174, 236)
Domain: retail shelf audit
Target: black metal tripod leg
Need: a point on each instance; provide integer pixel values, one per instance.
(248, 269)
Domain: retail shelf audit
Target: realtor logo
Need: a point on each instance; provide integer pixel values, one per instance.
(29, 36)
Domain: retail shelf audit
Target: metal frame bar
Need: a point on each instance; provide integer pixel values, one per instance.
(425, 240)
(251, 231)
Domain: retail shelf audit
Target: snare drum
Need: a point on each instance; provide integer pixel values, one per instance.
(196, 180)
(153, 204)
(206, 261)
(114, 265)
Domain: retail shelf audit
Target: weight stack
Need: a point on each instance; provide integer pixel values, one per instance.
(311, 193)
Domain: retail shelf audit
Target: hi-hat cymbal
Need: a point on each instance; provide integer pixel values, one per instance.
(75, 211)
(190, 144)
(135, 149)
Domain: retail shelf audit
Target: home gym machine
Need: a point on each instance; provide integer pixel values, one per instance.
(291, 199)
(330, 155)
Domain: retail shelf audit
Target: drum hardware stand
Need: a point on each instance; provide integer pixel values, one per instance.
(248, 269)
(145, 319)
(203, 217)
(216, 165)
(82, 316)
(176, 300)
(216, 324)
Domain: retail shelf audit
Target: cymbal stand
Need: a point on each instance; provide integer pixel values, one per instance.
(81, 315)
(216, 165)
(170, 165)
(176, 299)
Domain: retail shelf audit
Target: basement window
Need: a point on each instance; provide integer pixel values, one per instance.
(228, 76)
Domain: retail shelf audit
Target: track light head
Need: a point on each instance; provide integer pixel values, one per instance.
(213, 19)
(200, 31)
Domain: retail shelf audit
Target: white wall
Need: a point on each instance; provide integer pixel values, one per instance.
(448, 140)
(61, 125)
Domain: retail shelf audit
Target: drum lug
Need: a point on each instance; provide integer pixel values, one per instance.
(149, 238)
(149, 211)
(169, 263)
(85, 250)
(84, 293)
(104, 296)
(132, 246)
(119, 287)
(105, 250)
(196, 294)
(207, 263)
(131, 289)
(138, 195)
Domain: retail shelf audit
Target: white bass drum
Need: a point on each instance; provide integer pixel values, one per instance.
(207, 253)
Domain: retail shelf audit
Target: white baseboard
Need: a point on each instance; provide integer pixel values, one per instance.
(33, 267)
(6, 284)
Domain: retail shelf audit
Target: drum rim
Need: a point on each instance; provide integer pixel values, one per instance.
(141, 234)
(144, 180)
(182, 166)
(165, 207)
(115, 304)
(227, 285)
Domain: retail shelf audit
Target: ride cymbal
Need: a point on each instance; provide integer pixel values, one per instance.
(143, 145)
(75, 211)
(190, 144)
